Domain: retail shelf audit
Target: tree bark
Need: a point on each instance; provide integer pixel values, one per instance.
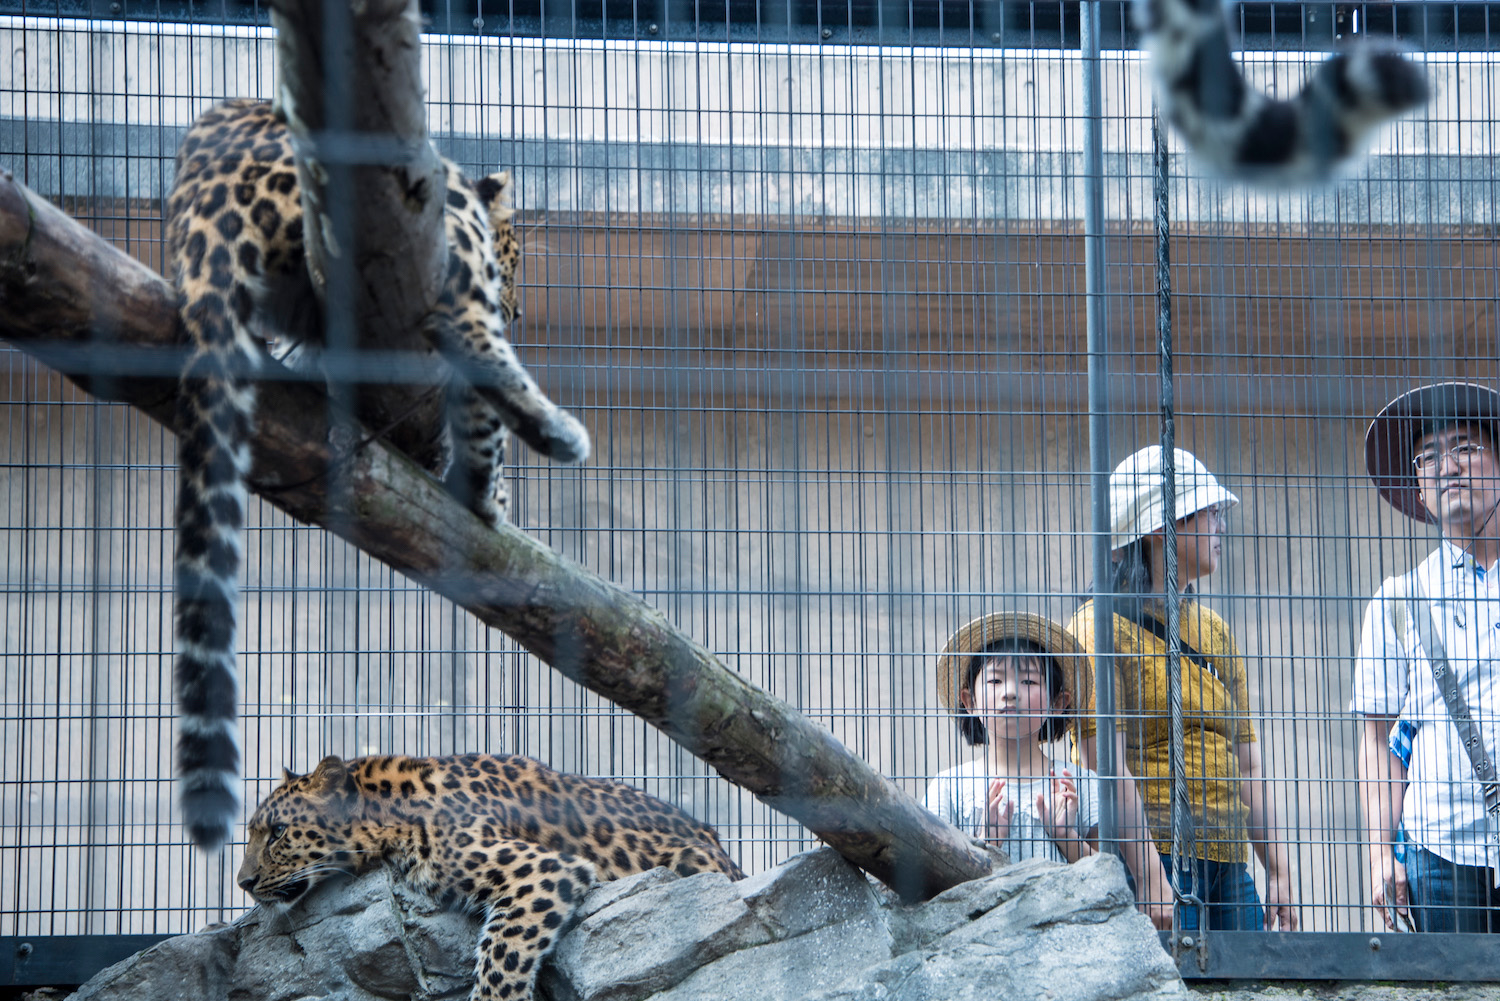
(107, 322)
(350, 88)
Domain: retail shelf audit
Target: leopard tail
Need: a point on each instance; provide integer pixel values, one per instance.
(215, 413)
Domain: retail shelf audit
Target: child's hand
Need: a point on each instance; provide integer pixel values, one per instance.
(998, 813)
(1059, 812)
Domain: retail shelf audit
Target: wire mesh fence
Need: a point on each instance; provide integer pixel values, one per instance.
(818, 295)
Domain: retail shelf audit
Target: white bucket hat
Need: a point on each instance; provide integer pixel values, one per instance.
(1135, 493)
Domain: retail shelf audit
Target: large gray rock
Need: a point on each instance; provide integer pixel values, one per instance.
(1035, 930)
(365, 939)
(813, 929)
(648, 940)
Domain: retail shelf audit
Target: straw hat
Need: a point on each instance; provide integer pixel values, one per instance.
(1394, 432)
(962, 646)
(1136, 502)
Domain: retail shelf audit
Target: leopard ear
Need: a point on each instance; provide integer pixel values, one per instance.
(495, 192)
(287, 775)
(494, 188)
(331, 775)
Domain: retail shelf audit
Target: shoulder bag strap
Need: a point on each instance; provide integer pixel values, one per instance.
(1158, 628)
(1458, 711)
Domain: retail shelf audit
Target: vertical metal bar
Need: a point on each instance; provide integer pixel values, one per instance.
(341, 339)
(1182, 829)
(1098, 390)
(94, 735)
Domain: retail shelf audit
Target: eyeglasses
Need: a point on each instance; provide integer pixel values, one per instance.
(1429, 460)
(1218, 512)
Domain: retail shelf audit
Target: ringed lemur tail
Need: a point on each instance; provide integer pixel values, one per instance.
(1246, 135)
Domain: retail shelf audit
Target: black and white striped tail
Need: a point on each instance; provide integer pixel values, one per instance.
(1243, 134)
(213, 451)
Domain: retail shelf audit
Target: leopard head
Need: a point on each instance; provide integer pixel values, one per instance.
(303, 834)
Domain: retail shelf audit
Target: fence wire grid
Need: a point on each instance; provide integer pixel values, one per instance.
(819, 297)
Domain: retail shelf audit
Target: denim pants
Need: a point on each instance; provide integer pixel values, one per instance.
(1227, 890)
(1449, 897)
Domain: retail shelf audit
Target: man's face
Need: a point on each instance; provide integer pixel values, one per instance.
(1459, 476)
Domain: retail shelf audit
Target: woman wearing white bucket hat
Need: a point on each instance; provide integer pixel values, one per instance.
(1229, 807)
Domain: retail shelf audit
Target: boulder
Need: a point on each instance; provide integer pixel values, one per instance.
(356, 940)
(813, 929)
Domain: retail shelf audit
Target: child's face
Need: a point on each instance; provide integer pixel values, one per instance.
(1012, 698)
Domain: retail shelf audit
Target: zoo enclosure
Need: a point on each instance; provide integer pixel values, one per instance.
(816, 286)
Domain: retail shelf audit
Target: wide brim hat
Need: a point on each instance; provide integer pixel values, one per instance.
(963, 646)
(1393, 434)
(1137, 493)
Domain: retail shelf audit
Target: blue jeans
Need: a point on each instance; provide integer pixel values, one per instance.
(1226, 889)
(1449, 897)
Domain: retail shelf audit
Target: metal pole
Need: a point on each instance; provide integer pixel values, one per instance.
(1098, 380)
(1182, 819)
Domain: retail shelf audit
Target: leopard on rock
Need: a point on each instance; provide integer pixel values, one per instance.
(500, 836)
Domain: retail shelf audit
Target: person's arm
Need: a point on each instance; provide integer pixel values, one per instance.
(1382, 684)
(1382, 789)
(1153, 893)
(1281, 911)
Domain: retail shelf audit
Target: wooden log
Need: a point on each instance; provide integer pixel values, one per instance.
(350, 88)
(85, 308)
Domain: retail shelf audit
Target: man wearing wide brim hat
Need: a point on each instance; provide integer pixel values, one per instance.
(1431, 453)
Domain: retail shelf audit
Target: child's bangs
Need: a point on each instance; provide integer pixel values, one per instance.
(1015, 648)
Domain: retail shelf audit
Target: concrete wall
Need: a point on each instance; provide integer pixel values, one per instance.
(95, 109)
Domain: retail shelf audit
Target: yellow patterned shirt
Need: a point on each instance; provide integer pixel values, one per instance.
(1215, 722)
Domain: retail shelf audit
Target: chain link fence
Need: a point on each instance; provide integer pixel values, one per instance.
(814, 280)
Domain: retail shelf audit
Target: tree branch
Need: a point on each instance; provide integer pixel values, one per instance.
(350, 89)
(85, 308)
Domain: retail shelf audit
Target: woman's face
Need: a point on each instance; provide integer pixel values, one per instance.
(1200, 540)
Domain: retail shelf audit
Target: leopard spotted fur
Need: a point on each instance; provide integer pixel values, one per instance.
(503, 837)
(236, 255)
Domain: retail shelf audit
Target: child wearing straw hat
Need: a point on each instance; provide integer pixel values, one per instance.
(1012, 680)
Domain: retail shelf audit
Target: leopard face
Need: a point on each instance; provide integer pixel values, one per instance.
(495, 192)
(292, 845)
